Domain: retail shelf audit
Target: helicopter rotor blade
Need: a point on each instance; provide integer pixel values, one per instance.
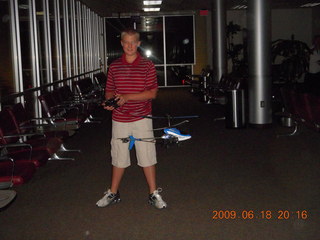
(179, 117)
(127, 139)
(170, 117)
(180, 123)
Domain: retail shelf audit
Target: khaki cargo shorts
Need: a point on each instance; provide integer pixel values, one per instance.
(145, 151)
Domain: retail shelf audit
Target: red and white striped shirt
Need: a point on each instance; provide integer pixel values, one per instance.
(128, 78)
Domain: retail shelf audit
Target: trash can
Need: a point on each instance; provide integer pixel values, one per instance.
(235, 109)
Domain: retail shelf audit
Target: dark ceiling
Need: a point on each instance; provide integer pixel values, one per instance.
(107, 8)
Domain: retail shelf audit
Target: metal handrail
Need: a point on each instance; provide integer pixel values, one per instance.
(15, 95)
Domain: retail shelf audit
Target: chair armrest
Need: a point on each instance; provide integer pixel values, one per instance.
(8, 184)
(6, 158)
(13, 145)
(36, 125)
(4, 147)
(50, 120)
(23, 135)
(73, 104)
(64, 109)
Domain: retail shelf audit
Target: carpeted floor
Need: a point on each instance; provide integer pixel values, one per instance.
(223, 184)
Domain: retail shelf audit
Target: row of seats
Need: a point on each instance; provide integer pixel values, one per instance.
(61, 104)
(210, 91)
(301, 107)
(27, 143)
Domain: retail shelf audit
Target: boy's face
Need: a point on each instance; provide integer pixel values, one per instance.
(130, 44)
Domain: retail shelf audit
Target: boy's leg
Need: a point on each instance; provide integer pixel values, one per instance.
(119, 153)
(150, 174)
(117, 174)
(112, 195)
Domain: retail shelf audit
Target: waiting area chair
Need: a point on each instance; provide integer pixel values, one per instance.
(302, 108)
(6, 196)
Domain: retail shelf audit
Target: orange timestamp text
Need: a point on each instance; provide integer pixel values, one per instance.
(262, 214)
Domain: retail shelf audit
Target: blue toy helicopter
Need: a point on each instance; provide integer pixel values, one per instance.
(171, 135)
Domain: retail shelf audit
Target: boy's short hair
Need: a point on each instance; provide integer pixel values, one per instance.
(130, 31)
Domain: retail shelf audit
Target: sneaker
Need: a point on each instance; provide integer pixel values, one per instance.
(156, 200)
(108, 199)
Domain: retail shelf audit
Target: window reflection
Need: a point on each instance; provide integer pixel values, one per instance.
(176, 74)
(26, 54)
(179, 44)
(179, 39)
(40, 50)
(6, 73)
(160, 75)
(62, 42)
(41, 43)
(25, 47)
(114, 26)
(151, 35)
(53, 40)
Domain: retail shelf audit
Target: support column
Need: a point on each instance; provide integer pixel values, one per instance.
(47, 42)
(259, 59)
(219, 39)
(58, 40)
(16, 48)
(35, 56)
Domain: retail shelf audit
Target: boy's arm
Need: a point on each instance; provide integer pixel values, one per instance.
(145, 95)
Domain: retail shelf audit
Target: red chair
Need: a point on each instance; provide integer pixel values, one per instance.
(58, 97)
(26, 124)
(305, 109)
(289, 110)
(68, 97)
(70, 112)
(87, 90)
(50, 138)
(6, 181)
(23, 151)
(315, 109)
(66, 115)
(14, 172)
(101, 80)
(42, 147)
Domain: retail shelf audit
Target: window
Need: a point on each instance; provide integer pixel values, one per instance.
(6, 73)
(171, 51)
(114, 26)
(179, 40)
(151, 36)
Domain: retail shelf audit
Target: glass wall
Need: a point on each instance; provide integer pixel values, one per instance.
(151, 35)
(6, 69)
(47, 41)
(114, 26)
(25, 34)
(180, 49)
(168, 41)
(179, 40)
(42, 41)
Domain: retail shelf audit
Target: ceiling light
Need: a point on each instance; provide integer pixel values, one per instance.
(151, 9)
(240, 7)
(23, 6)
(310, 4)
(152, 2)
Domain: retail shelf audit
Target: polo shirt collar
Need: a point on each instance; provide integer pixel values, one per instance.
(135, 62)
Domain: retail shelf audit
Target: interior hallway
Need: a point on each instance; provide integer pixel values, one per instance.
(218, 169)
